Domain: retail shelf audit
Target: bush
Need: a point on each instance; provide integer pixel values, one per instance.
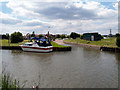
(81, 37)
(16, 37)
(40, 36)
(74, 35)
(118, 41)
(57, 36)
(117, 35)
(102, 37)
(62, 36)
(33, 34)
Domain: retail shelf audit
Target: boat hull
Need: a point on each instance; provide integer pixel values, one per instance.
(37, 49)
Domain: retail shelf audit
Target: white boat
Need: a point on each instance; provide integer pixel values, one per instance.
(40, 45)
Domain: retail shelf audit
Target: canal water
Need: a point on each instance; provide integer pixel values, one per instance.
(79, 68)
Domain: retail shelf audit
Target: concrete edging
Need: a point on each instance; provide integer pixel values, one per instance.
(19, 48)
(110, 49)
(85, 45)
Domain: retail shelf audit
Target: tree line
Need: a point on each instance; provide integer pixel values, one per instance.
(17, 37)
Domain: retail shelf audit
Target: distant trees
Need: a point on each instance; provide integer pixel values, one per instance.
(40, 36)
(33, 34)
(62, 36)
(57, 36)
(102, 37)
(117, 35)
(74, 35)
(117, 39)
(16, 37)
(81, 36)
(4, 36)
(68, 36)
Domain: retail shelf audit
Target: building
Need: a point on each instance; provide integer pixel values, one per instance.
(91, 36)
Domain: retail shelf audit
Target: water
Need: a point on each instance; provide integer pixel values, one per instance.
(79, 68)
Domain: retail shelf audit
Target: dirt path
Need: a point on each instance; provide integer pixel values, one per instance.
(59, 42)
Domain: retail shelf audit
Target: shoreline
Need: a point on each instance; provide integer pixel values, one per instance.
(19, 48)
(85, 45)
(101, 48)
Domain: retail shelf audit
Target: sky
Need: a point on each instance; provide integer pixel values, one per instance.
(58, 16)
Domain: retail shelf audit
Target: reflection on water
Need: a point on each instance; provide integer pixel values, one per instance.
(79, 68)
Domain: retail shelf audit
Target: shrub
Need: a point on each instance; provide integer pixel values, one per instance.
(62, 36)
(74, 35)
(81, 37)
(102, 37)
(118, 41)
(40, 36)
(16, 37)
(117, 35)
(33, 34)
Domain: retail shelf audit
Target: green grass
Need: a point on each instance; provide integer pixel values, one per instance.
(8, 83)
(5, 43)
(110, 42)
(57, 45)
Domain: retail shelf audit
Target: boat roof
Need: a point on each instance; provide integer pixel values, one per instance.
(40, 39)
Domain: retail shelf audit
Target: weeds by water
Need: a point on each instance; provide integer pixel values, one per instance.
(7, 83)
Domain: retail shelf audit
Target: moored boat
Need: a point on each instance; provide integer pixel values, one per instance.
(39, 45)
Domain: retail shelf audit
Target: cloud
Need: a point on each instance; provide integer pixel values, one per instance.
(61, 10)
(7, 19)
(71, 13)
(64, 17)
(10, 21)
(35, 23)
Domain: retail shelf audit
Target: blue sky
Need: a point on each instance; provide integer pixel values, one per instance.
(5, 9)
(62, 17)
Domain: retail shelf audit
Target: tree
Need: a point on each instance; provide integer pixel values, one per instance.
(62, 36)
(102, 37)
(74, 35)
(40, 36)
(118, 41)
(16, 37)
(117, 35)
(4, 36)
(33, 34)
(81, 36)
(68, 36)
(57, 36)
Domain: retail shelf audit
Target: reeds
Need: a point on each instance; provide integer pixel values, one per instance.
(7, 83)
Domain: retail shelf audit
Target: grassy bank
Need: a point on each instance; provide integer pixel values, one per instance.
(110, 42)
(5, 43)
(57, 45)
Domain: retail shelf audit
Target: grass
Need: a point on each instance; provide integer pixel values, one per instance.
(8, 83)
(4, 42)
(110, 42)
(57, 45)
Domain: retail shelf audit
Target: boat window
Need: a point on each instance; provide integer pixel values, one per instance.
(47, 42)
(28, 44)
(41, 42)
(37, 41)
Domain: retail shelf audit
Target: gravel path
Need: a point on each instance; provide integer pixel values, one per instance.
(59, 42)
